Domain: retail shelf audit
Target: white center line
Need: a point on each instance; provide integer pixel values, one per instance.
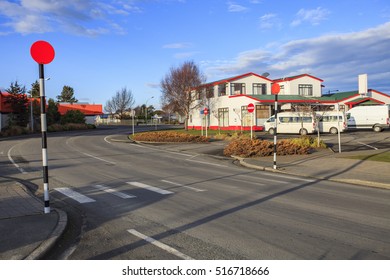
(111, 162)
(184, 186)
(150, 188)
(114, 192)
(160, 245)
(75, 195)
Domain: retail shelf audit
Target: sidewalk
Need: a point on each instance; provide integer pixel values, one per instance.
(327, 165)
(27, 233)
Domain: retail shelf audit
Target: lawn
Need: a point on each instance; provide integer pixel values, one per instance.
(383, 157)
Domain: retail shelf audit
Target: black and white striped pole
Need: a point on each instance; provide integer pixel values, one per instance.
(275, 91)
(43, 53)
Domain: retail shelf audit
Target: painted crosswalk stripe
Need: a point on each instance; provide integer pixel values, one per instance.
(150, 188)
(160, 245)
(184, 186)
(114, 192)
(75, 195)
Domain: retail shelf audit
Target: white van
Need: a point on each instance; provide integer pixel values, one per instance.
(375, 117)
(291, 122)
(331, 121)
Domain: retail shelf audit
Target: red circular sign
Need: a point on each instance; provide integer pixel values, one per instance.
(251, 107)
(42, 52)
(206, 111)
(275, 88)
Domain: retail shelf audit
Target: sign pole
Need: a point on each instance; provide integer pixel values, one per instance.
(275, 90)
(43, 53)
(44, 139)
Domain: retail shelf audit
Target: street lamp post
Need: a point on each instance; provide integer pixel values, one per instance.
(146, 110)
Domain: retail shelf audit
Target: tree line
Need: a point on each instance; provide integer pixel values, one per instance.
(26, 111)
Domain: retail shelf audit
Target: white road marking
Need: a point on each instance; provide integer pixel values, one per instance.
(372, 147)
(14, 163)
(150, 188)
(75, 195)
(114, 192)
(98, 158)
(204, 162)
(160, 245)
(161, 150)
(288, 177)
(106, 140)
(184, 186)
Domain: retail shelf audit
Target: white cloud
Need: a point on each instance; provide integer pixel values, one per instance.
(336, 58)
(314, 17)
(82, 17)
(177, 46)
(235, 8)
(270, 21)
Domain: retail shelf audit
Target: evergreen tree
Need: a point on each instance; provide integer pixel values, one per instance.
(67, 95)
(18, 102)
(52, 114)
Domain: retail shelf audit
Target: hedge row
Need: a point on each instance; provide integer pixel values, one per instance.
(169, 136)
(263, 148)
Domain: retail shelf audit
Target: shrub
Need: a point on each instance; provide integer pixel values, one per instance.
(168, 136)
(73, 116)
(14, 131)
(263, 148)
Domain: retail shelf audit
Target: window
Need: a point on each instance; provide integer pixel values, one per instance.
(223, 117)
(259, 89)
(262, 111)
(210, 92)
(305, 90)
(222, 90)
(237, 88)
(246, 117)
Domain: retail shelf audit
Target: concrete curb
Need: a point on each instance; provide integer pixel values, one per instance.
(46, 245)
(349, 181)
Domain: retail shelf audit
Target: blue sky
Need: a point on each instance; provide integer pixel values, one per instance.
(103, 46)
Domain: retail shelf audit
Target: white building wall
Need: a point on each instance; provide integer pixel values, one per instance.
(294, 85)
(378, 96)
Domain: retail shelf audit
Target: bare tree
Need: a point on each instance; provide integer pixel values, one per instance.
(177, 85)
(120, 102)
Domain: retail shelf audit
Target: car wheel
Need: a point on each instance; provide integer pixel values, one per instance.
(303, 131)
(377, 128)
(271, 131)
(333, 130)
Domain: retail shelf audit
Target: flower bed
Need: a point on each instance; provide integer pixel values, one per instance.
(169, 136)
(263, 148)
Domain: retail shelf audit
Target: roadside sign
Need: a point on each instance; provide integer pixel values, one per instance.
(275, 88)
(206, 111)
(251, 107)
(42, 52)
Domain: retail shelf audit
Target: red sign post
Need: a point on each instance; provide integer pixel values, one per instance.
(206, 112)
(43, 53)
(251, 109)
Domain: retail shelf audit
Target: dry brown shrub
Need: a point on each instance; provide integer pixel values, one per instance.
(169, 137)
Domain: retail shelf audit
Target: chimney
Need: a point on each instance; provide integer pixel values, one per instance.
(363, 84)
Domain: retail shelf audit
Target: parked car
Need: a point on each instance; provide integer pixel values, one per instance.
(375, 117)
(291, 122)
(331, 121)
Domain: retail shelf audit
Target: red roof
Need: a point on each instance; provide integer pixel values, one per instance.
(296, 77)
(86, 109)
(4, 107)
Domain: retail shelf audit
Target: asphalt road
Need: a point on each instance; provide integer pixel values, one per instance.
(129, 201)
